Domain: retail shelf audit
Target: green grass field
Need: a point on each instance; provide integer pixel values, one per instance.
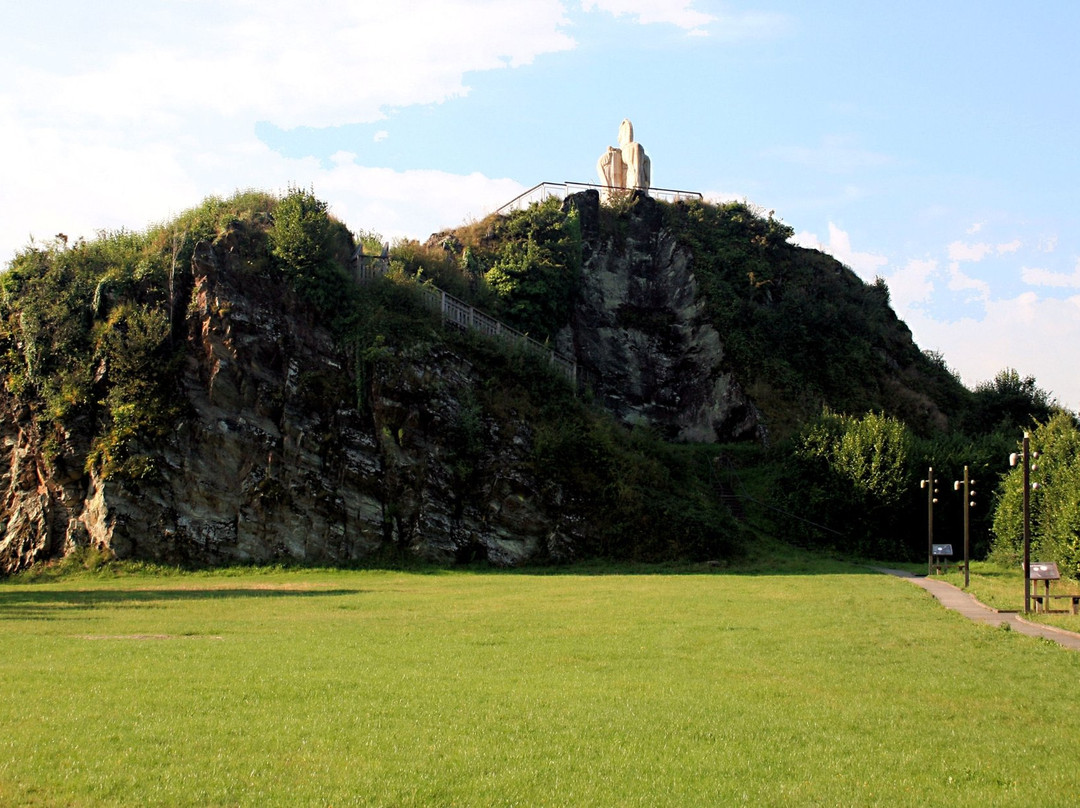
(831, 686)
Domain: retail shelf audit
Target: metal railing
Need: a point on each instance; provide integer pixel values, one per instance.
(539, 193)
(461, 315)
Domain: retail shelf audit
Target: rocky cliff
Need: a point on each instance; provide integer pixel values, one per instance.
(271, 458)
(640, 334)
(241, 399)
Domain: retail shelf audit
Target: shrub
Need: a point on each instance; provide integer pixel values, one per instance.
(1054, 505)
(311, 248)
(850, 475)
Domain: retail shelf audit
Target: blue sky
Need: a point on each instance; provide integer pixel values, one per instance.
(934, 144)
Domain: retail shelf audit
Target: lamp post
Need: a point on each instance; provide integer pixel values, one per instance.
(931, 497)
(1026, 457)
(969, 503)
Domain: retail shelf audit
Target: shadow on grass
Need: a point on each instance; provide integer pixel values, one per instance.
(54, 604)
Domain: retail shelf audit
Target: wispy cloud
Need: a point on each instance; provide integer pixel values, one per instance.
(971, 253)
(1034, 276)
(725, 25)
(960, 281)
(673, 12)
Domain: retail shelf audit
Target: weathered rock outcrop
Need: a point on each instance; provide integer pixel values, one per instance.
(287, 447)
(267, 463)
(640, 336)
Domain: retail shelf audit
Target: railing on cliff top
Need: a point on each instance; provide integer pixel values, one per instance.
(540, 192)
(460, 314)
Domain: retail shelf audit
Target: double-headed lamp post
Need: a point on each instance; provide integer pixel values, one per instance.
(930, 484)
(969, 502)
(1026, 457)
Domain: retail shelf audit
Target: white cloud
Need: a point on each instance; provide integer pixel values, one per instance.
(973, 253)
(674, 12)
(912, 284)
(1027, 332)
(866, 265)
(381, 135)
(727, 26)
(320, 63)
(81, 185)
(975, 228)
(411, 204)
(1043, 277)
(962, 282)
(158, 109)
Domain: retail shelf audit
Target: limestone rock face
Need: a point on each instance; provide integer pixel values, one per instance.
(268, 464)
(640, 336)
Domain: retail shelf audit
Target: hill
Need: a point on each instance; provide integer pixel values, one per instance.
(226, 388)
(702, 320)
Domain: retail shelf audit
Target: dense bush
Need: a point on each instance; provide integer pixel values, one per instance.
(1054, 504)
(86, 337)
(311, 248)
(523, 268)
(847, 478)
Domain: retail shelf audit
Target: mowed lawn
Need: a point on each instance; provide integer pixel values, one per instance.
(335, 688)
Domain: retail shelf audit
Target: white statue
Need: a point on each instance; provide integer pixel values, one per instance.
(625, 167)
(611, 168)
(638, 165)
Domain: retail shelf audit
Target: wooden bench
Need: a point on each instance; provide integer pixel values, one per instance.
(1047, 571)
(1043, 600)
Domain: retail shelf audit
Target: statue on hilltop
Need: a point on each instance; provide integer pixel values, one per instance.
(626, 167)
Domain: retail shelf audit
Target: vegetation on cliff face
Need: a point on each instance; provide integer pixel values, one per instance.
(93, 339)
(845, 391)
(86, 338)
(94, 342)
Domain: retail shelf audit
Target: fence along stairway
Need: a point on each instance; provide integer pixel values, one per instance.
(458, 313)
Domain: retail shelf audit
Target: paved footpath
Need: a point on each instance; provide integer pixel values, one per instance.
(960, 601)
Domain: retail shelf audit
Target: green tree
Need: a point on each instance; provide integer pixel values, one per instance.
(1007, 402)
(850, 475)
(536, 273)
(1054, 504)
(310, 247)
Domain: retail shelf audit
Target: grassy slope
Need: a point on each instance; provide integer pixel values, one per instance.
(385, 688)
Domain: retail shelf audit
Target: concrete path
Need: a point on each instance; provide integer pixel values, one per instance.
(959, 601)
